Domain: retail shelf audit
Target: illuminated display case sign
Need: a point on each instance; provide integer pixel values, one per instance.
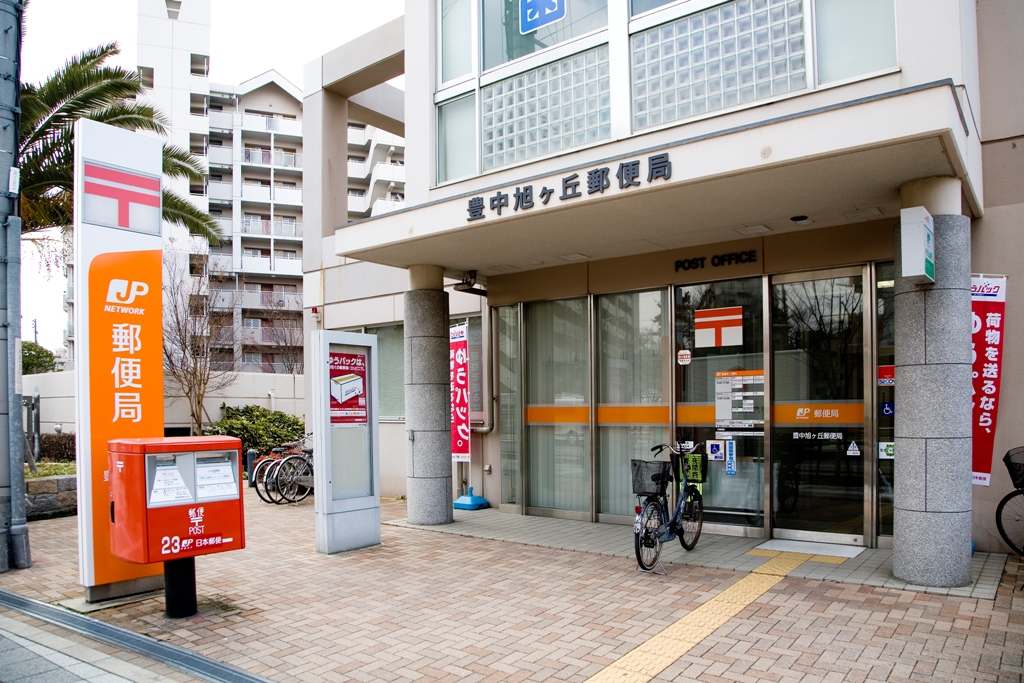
(917, 244)
(348, 388)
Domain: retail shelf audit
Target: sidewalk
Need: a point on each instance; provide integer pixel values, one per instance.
(33, 651)
(428, 606)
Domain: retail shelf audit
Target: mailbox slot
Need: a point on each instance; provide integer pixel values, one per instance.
(171, 479)
(216, 476)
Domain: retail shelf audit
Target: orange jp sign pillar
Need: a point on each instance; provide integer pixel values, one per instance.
(118, 350)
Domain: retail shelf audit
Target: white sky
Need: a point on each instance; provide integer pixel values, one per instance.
(248, 38)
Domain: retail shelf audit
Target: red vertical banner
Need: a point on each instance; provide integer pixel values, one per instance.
(458, 364)
(988, 309)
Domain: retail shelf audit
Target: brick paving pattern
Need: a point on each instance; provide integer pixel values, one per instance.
(425, 606)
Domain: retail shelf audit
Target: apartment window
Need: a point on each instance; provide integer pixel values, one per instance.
(739, 52)
(854, 38)
(253, 287)
(456, 139)
(286, 254)
(253, 358)
(356, 193)
(551, 108)
(356, 160)
(456, 31)
(503, 42)
(397, 197)
(252, 323)
(286, 289)
(254, 253)
(173, 8)
(198, 104)
(390, 369)
(200, 65)
(146, 76)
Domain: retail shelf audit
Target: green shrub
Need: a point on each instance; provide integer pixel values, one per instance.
(57, 447)
(257, 427)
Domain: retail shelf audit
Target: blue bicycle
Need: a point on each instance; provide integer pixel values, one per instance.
(650, 482)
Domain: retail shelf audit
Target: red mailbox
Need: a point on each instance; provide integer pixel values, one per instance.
(175, 498)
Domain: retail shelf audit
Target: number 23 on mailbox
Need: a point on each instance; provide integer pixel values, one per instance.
(173, 498)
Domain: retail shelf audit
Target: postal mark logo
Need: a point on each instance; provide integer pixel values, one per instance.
(123, 293)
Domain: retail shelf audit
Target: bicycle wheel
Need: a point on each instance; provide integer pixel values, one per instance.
(259, 476)
(647, 541)
(1010, 520)
(290, 476)
(691, 519)
(272, 484)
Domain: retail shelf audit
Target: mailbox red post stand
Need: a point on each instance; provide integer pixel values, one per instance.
(172, 499)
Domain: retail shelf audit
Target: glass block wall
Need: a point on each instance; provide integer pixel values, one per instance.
(738, 52)
(557, 106)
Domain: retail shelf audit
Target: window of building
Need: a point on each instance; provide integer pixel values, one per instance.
(252, 323)
(356, 193)
(854, 38)
(456, 139)
(255, 253)
(551, 108)
(200, 65)
(356, 160)
(735, 53)
(640, 6)
(173, 8)
(286, 254)
(503, 41)
(456, 43)
(253, 358)
(146, 76)
(390, 370)
(510, 412)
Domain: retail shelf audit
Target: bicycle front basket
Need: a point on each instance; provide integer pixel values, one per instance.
(696, 468)
(1014, 460)
(650, 477)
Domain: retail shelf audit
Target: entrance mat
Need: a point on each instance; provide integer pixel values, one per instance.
(830, 549)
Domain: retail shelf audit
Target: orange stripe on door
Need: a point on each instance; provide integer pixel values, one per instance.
(808, 414)
(558, 414)
(689, 415)
(630, 415)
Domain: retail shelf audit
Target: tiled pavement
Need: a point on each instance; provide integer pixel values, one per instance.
(430, 606)
(873, 567)
(32, 651)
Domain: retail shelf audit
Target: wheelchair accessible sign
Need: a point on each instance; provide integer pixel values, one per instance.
(535, 14)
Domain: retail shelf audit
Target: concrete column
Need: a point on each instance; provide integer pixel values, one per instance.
(427, 398)
(932, 517)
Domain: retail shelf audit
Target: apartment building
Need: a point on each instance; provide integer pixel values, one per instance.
(250, 138)
(687, 216)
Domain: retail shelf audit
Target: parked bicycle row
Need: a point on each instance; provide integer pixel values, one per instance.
(285, 475)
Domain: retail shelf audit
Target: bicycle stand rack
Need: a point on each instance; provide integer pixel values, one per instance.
(663, 572)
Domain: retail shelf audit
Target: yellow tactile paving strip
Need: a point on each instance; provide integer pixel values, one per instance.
(648, 660)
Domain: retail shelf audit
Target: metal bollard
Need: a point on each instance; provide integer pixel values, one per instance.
(250, 459)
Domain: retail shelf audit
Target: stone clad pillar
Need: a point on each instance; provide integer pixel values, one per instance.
(427, 398)
(932, 516)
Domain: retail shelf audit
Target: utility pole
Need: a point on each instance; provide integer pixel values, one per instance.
(13, 525)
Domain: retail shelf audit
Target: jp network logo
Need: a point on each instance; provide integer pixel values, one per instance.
(125, 292)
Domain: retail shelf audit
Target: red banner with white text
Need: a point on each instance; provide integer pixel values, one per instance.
(988, 308)
(458, 363)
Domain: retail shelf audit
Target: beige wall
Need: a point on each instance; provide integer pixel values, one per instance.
(57, 397)
(270, 99)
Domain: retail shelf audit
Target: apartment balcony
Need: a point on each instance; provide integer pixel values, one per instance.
(256, 264)
(287, 229)
(357, 169)
(225, 225)
(261, 157)
(288, 195)
(255, 227)
(219, 191)
(220, 263)
(284, 266)
(256, 193)
(221, 366)
(358, 203)
(199, 84)
(69, 295)
(276, 301)
(71, 330)
(221, 120)
(223, 299)
(219, 156)
(382, 206)
(356, 136)
(277, 124)
(287, 160)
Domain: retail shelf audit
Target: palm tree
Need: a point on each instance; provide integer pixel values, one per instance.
(86, 88)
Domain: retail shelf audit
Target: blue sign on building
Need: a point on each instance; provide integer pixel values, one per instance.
(534, 14)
